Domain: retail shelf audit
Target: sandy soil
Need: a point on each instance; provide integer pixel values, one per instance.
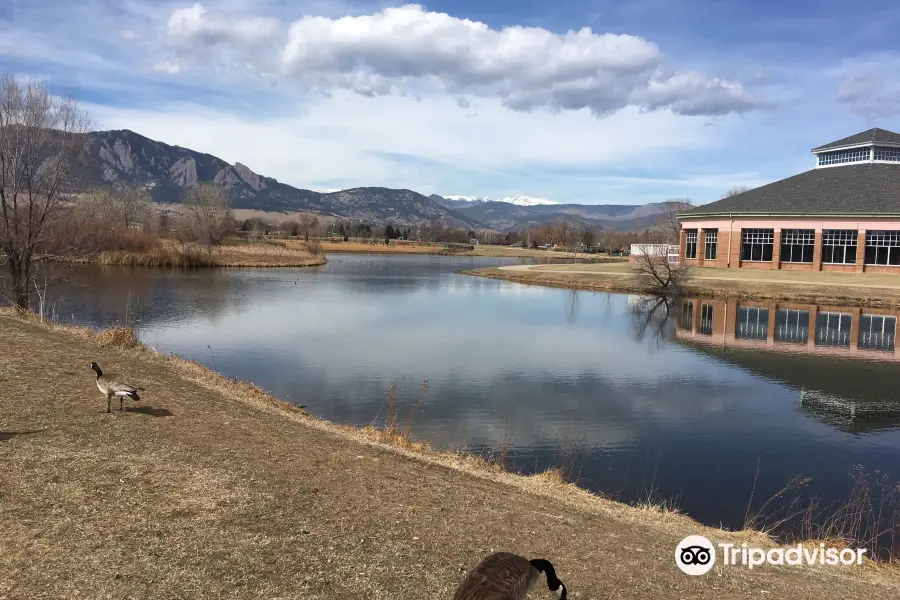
(200, 492)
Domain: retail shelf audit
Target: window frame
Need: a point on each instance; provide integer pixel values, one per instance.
(839, 238)
(842, 333)
(867, 339)
(711, 248)
(886, 154)
(761, 238)
(797, 244)
(691, 237)
(755, 328)
(789, 328)
(845, 156)
(882, 243)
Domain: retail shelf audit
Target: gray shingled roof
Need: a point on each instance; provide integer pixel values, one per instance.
(872, 135)
(865, 188)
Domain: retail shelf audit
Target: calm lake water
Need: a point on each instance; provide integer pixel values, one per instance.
(692, 408)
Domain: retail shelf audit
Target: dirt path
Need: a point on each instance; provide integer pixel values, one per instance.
(196, 494)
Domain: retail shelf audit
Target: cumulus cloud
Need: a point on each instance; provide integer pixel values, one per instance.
(868, 86)
(198, 36)
(408, 50)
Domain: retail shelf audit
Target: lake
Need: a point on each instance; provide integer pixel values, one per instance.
(697, 402)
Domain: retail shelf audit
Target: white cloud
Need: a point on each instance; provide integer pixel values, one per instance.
(199, 36)
(410, 50)
(129, 35)
(316, 146)
(168, 67)
(868, 85)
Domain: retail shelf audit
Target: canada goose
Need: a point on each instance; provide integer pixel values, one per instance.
(109, 387)
(506, 576)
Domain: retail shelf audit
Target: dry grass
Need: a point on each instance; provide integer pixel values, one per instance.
(174, 254)
(234, 494)
(839, 289)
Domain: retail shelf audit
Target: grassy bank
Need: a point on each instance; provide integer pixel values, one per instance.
(176, 254)
(479, 250)
(839, 289)
(211, 488)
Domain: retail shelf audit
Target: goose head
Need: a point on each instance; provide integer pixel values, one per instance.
(96, 369)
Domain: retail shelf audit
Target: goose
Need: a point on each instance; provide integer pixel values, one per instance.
(506, 576)
(109, 387)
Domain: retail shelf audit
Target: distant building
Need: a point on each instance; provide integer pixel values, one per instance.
(843, 215)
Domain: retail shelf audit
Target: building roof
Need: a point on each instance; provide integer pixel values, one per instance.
(873, 135)
(855, 189)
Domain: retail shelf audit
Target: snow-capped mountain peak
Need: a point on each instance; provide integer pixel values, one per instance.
(459, 198)
(521, 200)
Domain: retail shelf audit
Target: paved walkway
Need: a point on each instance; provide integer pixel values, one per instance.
(550, 269)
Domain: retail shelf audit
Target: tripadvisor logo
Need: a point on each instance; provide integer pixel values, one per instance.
(696, 555)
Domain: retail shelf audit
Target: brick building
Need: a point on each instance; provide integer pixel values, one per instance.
(843, 215)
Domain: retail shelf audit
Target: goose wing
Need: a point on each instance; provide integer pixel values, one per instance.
(120, 388)
(500, 576)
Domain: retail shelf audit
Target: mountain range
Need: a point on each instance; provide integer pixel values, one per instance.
(519, 200)
(123, 156)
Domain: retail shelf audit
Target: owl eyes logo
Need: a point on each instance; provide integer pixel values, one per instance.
(695, 555)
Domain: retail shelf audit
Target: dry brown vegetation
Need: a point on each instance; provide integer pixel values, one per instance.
(146, 250)
(840, 289)
(211, 488)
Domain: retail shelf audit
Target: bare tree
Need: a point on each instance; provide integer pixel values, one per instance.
(653, 316)
(665, 278)
(310, 223)
(41, 140)
(120, 206)
(738, 189)
(668, 228)
(207, 216)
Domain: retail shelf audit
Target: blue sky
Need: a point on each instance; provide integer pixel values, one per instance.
(660, 99)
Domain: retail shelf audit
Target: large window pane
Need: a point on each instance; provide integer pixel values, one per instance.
(883, 247)
(838, 157)
(757, 244)
(797, 245)
(833, 329)
(690, 246)
(887, 153)
(712, 244)
(791, 325)
(706, 318)
(752, 323)
(876, 332)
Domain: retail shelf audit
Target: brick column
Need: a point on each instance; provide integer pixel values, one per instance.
(720, 310)
(776, 249)
(855, 313)
(860, 251)
(695, 319)
(701, 246)
(817, 252)
(813, 313)
(682, 244)
(730, 319)
(770, 339)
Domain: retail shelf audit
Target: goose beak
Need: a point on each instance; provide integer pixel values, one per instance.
(561, 591)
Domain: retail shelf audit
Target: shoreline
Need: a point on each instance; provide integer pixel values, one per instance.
(772, 290)
(191, 256)
(398, 462)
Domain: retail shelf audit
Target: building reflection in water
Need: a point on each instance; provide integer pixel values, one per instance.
(803, 346)
(838, 331)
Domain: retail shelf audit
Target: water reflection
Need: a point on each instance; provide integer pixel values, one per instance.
(839, 369)
(637, 387)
